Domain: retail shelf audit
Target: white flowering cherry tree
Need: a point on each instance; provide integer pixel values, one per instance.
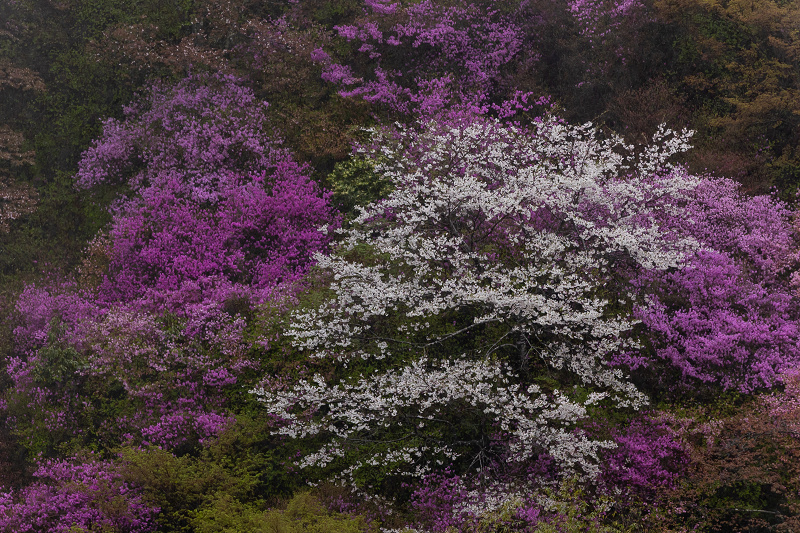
(466, 306)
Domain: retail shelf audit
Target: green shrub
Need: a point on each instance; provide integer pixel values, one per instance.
(303, 514)
(355, 183)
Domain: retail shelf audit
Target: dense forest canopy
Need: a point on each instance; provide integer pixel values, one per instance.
(399, 266)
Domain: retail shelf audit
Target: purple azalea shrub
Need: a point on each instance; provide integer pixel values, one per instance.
(76, 496)
(728, 316)
(217, 218)
(43, 397)
(424, 57)
(169, 375)
(60, 305)
(650, 456)
(173, 378)
(434, 500)
(218, 208)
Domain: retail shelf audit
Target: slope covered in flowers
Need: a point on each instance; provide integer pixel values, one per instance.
(363, 266)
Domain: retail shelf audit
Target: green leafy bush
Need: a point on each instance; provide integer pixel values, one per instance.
(355, 183)
(303, 514)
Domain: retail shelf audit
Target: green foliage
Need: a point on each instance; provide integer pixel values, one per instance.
(82, 92)
(40, 426)
(787, 178)
(333, 12)
(303, 514)
(355, 183)
(54, 236)
(737, 65)
(88, 19)
(56, 364)
(575, 511)
(713, 405)
(172, 18)
(225, 485)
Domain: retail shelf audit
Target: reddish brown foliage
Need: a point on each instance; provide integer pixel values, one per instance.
(14, 77)
(16, 199)
(745, 473)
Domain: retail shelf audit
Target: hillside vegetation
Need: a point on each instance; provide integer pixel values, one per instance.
(399, 266)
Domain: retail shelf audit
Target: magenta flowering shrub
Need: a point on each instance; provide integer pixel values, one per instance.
(217, 218)
(173, 377)
(424, 57)
(164, 377)
(168, 252)
(200, 128)
(727, 316)
(650, 457)
(434, 499)
(76, 496)
(40, 311)
(218, 212)
(42, 403)
(217, 208)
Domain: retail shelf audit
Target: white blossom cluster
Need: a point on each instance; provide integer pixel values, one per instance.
(427, 393)
(491, 499)
(502, 241)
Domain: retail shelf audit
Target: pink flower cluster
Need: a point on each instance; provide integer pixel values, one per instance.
(216, 213)
(76, 496)
(427, 57)
(728, 316)
(218, 208)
